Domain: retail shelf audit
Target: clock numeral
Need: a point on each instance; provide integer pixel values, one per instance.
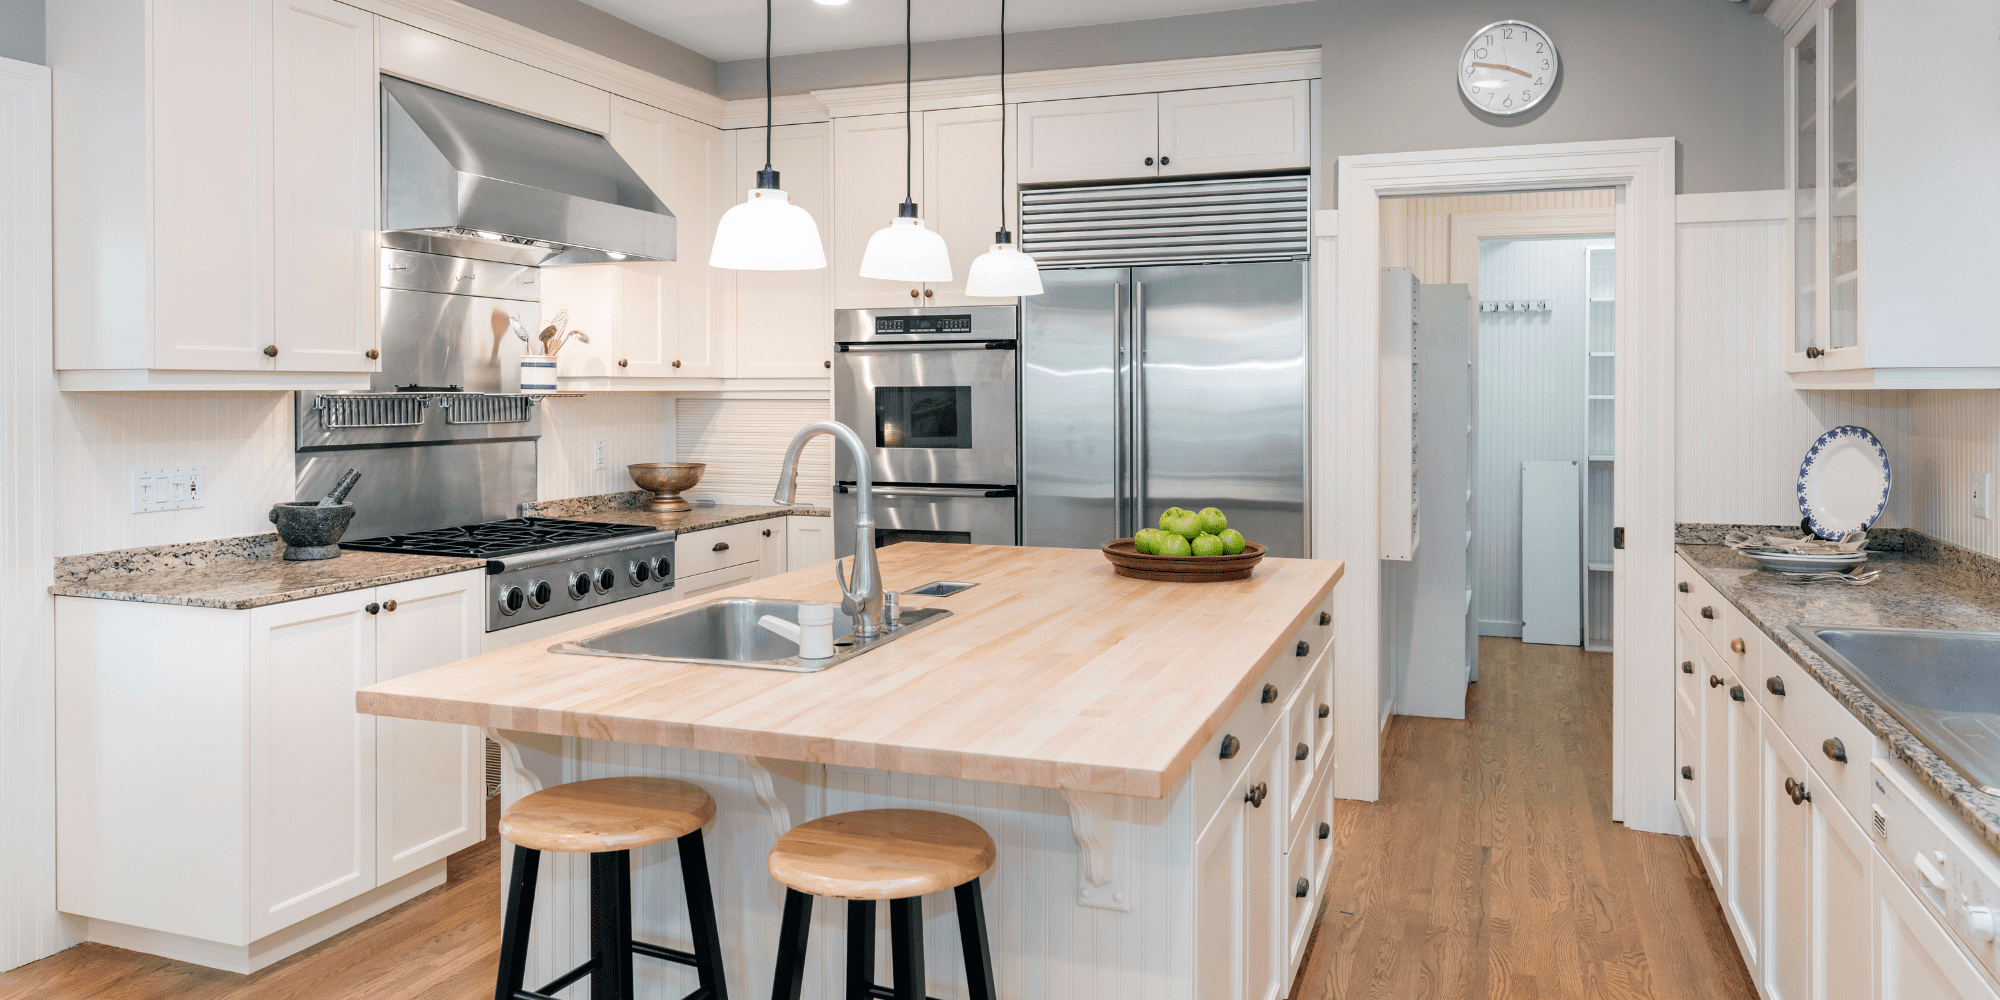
(1538, 81)
(1469, 71)
(1545, 64)
(1540, 47)
(1506, 32)
(1490, 97)
(1527, 95)
(1489, 39)
(1508, 103)
(1479, 54)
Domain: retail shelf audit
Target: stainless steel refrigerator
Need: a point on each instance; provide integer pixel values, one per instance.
(1144, 388)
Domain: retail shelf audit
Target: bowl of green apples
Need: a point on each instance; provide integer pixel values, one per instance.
(1189, 546)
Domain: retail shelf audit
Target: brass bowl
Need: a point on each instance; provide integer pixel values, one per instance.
(667, 480)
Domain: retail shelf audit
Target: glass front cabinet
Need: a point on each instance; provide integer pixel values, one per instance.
(1892, 130)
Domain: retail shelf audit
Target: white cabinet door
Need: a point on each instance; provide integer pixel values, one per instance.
(1265, 891)
(1915, 959)
(323, 185)
(965, 191)
(429, 786)
(1265, 126)
(808, 541)
(868, 165)
(1218, 906)
(1788, 866)
(784, 319)
(698, 349)
(771, 545)
(1842, 961)
(210, 222)
(1745, 900)
(1712, 774)
(312, 758)
(1093, 138)
(633, 310)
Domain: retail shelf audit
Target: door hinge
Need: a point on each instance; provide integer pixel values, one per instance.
(1618, 538)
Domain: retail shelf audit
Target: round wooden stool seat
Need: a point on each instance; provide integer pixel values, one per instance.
(881, 854)
(607, 814)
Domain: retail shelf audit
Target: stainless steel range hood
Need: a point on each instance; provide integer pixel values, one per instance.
(468, 179)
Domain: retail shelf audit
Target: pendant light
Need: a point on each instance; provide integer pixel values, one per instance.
(768, 232)
(906, 251)
(1003, 272)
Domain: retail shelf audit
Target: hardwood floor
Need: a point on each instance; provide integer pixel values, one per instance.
(1490, 868)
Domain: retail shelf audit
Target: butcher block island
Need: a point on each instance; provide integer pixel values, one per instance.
(1153, 761)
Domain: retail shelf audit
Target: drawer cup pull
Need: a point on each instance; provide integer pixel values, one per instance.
(1325, 710)
(1325, 831)
(1687, 666)
(1301, 887)
(1708, 612)
(1230, 746)
(1300, 752)
(1775, 685)
(1736, 692)
(1687, 772)
(1303, 649)
(1835, 750)
(1325, 619)
(1736, 646)
(1685, 589)
(1270, 694)
(720, 547)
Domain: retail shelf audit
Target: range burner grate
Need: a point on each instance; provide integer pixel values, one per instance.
(493, 539)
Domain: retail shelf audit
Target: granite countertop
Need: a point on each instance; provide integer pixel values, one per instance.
(626, 508)
(1930, 585)
(235, 573)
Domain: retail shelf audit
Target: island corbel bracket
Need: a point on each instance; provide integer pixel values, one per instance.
(510, 754)
(1104, 849)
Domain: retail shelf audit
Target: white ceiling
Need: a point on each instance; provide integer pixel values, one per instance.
(734, 29)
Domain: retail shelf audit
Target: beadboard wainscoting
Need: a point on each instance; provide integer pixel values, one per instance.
(1953, 434)
(743, 441)
(635, 427)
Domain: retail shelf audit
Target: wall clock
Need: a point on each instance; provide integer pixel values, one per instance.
(1507, 67)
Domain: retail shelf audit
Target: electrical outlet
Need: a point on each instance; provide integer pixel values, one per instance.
(1982, 494)
(174, 488)
(597, 456)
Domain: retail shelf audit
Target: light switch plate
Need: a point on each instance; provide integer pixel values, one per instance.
(597, 456)
(172, 488)
(1982, 495)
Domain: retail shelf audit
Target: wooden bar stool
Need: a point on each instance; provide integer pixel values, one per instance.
(892, 854)
(606, 818)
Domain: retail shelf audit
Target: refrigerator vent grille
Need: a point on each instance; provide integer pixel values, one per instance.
(1176, 222)
(485, 408)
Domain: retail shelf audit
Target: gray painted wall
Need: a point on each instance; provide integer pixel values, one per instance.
(1707, 72)
(22, 31)
(580, 24)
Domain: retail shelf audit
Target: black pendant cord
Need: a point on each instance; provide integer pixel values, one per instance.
(909, 140)
(767, 178)
(1003, 236)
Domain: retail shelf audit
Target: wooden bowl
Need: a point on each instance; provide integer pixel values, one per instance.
(1129, 561)
(666, 480)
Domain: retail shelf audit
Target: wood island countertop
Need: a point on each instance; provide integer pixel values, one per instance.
(1053, 672)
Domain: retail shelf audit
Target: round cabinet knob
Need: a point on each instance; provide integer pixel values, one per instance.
(1685, 589)
(1687, 666)
(914, 293)
(373, 354)
(1325, 710)
(1979, 922)
(512, 600)
(1708, 612)
(826, 364)
(1797, 790)
(626, 362)
(1149, 161)
(1775, 685)
(1255, 796)
(1325, 830)
(1300, 752)
(372, 608)
(1270, 694)
(1164, 160)
(1303, 649)
(1325, 619)
(1736, 646)
(271, 351)
(1714, 681)
(1687, 772)
(1735, 692)
(1835, 750)
(389, 605)
(1300, 888)
(677, 364)
(767, 532)
(1230, 746)
(1814, 352)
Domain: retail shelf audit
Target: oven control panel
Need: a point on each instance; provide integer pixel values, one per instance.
(519, 594)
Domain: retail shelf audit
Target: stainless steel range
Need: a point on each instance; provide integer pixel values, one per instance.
(537, 569)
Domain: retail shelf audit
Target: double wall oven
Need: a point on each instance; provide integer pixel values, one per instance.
(932, 392)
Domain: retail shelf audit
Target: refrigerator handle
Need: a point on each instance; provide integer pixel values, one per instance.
(1121, 510)
(1138, 446)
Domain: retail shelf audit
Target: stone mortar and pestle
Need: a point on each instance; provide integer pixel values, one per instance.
(311, 529)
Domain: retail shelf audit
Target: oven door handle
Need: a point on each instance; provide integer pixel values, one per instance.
(976, 492)
(899, 348)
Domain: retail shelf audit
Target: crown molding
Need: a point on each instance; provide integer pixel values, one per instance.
(1785, 13)
(1039, 85)
(502, 37)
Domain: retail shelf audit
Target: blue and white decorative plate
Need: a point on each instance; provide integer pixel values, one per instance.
(1844, 482)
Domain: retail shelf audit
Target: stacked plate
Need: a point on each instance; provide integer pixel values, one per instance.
(1793, 562)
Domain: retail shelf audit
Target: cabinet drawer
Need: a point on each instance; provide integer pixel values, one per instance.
(1254, 721)
(713, 548)
(1687, 773)
(1301, 754)
(1686, 584)
(1687, 666)
(1300, 894)
(1742, 649)
(703, 584)
(1811, 716)
(1706, 611)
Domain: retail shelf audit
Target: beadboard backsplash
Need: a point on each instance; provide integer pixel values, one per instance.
(1952, 435)
(743, 441)
(635, 427)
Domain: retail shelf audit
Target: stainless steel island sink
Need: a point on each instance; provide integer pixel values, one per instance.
(1943, 685)
(725, 633)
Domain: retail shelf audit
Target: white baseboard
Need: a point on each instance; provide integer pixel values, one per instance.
(1511, 630)
(272, 948)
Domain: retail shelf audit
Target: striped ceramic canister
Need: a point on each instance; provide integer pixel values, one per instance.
(538, 374)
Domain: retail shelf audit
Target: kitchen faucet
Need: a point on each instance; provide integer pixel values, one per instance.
(865, 602)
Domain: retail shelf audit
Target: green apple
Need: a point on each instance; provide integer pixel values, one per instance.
(1213, 521)
(1233, 541)
(1207, 545)
(1143, 540)
(1185, 523)
(1172, 544)
(1165, 514)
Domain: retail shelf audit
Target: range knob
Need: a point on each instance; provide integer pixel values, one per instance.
(512, 600)
(579, 586)
(539, 594)
(605, 580)
(663, 569)
(639, 571)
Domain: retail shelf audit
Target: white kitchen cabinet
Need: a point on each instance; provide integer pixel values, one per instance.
(771, 547)
(783, 320)
(221, 802)
(1915, 958)
(257, 118)
(869, 156)
(808, 540)
(1887, 276)
(1787, 847)
(1239, 863)
(965, 191)
(1842, 963)
(1090, 138)
(1744, 901)
(1265, 126)
(1712, 839)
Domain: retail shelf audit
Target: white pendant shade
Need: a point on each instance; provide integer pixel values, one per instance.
(767, 233)
(1003, 273)
(906, 251)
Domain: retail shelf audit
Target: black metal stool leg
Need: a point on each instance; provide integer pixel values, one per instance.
(791, 977)
(611, 925)
(514, 926)
(701, 916)
(906, 946)
(860, 949)
(972, 934)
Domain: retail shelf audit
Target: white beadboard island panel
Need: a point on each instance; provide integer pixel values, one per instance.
(743, 442)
